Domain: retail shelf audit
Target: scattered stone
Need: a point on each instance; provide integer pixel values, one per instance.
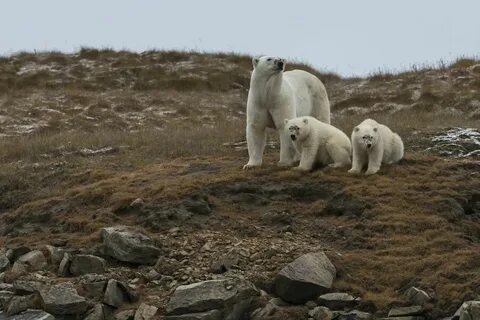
(118, 293)
(469, 310)
(127, 246)
(63, 299)
(97, 313)
(55, 254)
(351, 315)
(153, 275)
(305, 278)
(230, 295)
(417, 296)
(83, 263)
(14, 253)
(5, 296)
(137, 203)
(145, 312)
(337, 301)
(224, 262)
(64, 267)
(125, 315)
(28, 315)
(94, 285)
(19, 304)
(34, 260)
(406, 311)
(321, 313)
(26, 287)
(4, 263)
(19, 267)
(209, 315)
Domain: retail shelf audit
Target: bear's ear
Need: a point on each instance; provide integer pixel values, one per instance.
(255, 61)
(305, 121)
(357, 129)
(285, 121)
(375, 129)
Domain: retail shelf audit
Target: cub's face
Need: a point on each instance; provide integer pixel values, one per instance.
(367, 136)
(297, 128)
(268, 64)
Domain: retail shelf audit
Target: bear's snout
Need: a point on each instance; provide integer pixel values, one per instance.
(369, 145)
(293, 137)
(280, 64)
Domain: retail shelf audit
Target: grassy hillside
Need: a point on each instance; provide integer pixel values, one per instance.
(83, 135)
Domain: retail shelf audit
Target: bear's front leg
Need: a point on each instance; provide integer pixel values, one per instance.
(256, 140)
(307, 159)
(358, 160)
(287, 150)
(374, 160)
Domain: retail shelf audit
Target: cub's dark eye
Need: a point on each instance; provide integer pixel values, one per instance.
(269, 59)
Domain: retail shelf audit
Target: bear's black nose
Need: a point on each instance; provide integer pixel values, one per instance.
(280, 65)
(293, 137)
(369, 145)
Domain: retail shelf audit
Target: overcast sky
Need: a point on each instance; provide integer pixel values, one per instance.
(349, 37)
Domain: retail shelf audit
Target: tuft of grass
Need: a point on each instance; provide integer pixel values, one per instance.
(464, 63)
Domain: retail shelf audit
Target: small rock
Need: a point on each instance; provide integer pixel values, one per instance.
(4, 263)
(310, 304)
(209, 315)
(117, 293)
(34, 260)
(125, 315)
(475, 69)
(19, 267)
(127, 246)
(145, 312)
(63, 299)
(137, 203)
(94, 285)
(19, 304)
(97, 313)
(210, 295)
(337, 301)
(55, 254)
(64, 267)
(305, 278)
(83, 263)
(321, 313)
(14, 253)
(405, 311)
(351, 315)
(26, 287)
(417, 296)
(28, 315)
(167, 266)
(469, 310)
(153, 275)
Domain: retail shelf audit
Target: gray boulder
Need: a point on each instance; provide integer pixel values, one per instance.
(83, 264)
(337, 300)
(417, 296)
(64, 267)
(469, 310)
(4, 263)
(127, 246)
(28, 315)
(406, 311)
(305, 278)
(232, 296)
(13, 253)
(118, 293)
(19, 304)
(209, 315)
(94, 285)
(34, 260)
(55, 254)
(145, 312)
(26, 287)
(97, 313)
(62, 299)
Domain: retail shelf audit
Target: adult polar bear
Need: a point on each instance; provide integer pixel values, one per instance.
(276, 95)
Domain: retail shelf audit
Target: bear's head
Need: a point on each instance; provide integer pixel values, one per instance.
(269, 65)
(298, 128)
(366, 136)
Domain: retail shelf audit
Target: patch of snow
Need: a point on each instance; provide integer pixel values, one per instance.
(457, 142)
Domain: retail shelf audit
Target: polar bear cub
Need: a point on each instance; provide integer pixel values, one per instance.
(318, 143)
(373, 144)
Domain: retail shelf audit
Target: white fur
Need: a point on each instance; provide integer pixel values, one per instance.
(385, 147)
(318, 143)
(276, 95)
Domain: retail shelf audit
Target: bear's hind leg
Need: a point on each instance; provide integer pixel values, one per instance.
(339, 155)
(307, 159)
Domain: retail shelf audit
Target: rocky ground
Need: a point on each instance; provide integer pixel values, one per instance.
(122, 197)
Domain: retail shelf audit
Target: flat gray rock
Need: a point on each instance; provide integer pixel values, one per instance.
(417, 296)
(351, 315)
(337, 300)
(83, 264)
(63, 299)
(305, 278)
(35, 260)
(406, 311)
(97, 313)
(223, 294)
(28, 315)
(209, 315)
(117, 293)
(145, 312)
(125, 245)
